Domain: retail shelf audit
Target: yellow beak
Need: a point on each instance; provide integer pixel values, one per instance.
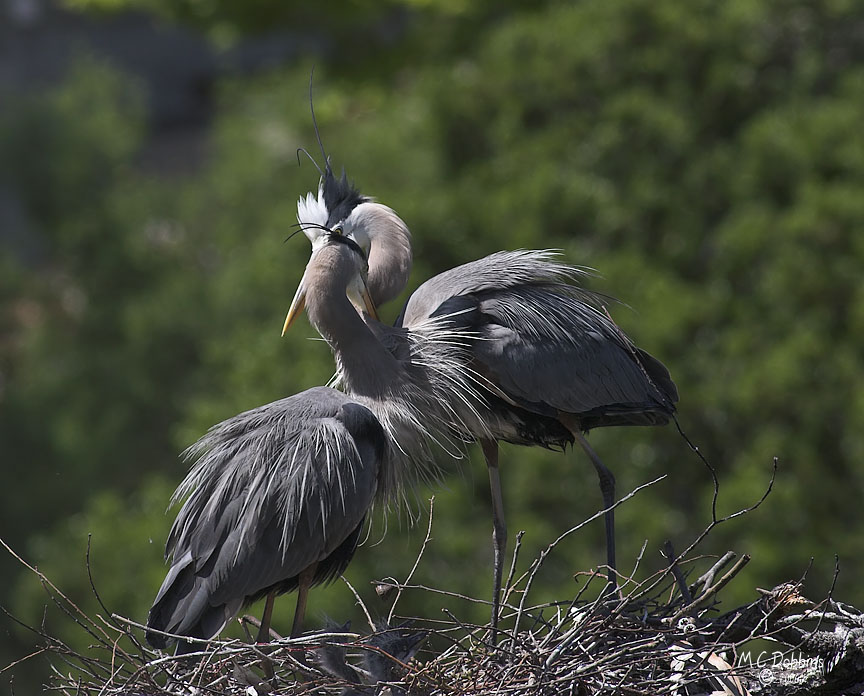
(357, 292)
(297, 304)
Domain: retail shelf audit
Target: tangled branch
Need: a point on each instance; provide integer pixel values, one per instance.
(661, 634)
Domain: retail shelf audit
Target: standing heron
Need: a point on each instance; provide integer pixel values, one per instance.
(544, 360)
(276, 501)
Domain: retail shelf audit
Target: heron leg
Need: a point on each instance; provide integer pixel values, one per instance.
(264, 628)
(304, 581)
(607, 488)
(499, 527)
(264, 633)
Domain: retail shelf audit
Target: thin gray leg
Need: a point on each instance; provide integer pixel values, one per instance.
(499, 527)
(607, 488)
(303, 583)
(264, 628)
(264, 633)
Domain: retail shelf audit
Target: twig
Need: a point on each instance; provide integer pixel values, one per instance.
(416, 562)
(360, 603)
(707, 577)
(535, 567)
(714, 589)
(40, 651)
(669, 554)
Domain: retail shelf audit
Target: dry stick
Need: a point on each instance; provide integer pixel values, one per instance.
(587, 612)
(144, 653)
(707, 578)
(131, 637)
(175, 636)
(142, 669)
(804, 617)
(24, 659)
(833, 585)
(219, 647)
(454, 643)
(714, 589)
(711, 469)
(538, 562)
(133, 676)
(110, 679)
(114, 671)
(359, 602)
(792, 620)
(445, 593)
(508, 586)
(113, 624)
(669, 553)
(715, 521)
(198, 674)
(43, 579)
(764, 621)
(637, 563)
(774, 609)
(59, 647)
(468, 631)
(566, 615)
(576, 630)
(628, 648)
(416, 562)
(93, 667)
(474, 631)
(591, 609)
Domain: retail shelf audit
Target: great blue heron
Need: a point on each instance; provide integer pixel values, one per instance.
(538, 359)
(277, 500)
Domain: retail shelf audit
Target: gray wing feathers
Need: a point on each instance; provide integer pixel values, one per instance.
(273, 491)
(546, 345)
(498, 271)
(543, 340)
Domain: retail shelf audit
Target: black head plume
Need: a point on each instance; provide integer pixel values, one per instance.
(311, 159)
(327, 168)
(317, 135)
(340, 195)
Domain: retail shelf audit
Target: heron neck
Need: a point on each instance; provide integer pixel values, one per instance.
(389, 269)
(367, 367)
(389, 253)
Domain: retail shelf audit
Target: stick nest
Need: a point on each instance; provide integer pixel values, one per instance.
(664, 634)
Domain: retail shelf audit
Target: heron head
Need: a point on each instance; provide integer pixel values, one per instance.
(377, 229)
(331, 209)
(338, 262)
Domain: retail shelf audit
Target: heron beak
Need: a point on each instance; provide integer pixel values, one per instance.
(297, 304)
(359, 295)
(371, 310)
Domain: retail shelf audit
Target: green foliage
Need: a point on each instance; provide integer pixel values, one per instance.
(122, 539)
(706, 157)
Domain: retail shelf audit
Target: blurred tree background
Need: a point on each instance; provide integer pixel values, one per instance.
(707, 158)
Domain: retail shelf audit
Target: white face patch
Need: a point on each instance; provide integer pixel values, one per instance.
(312, 215)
